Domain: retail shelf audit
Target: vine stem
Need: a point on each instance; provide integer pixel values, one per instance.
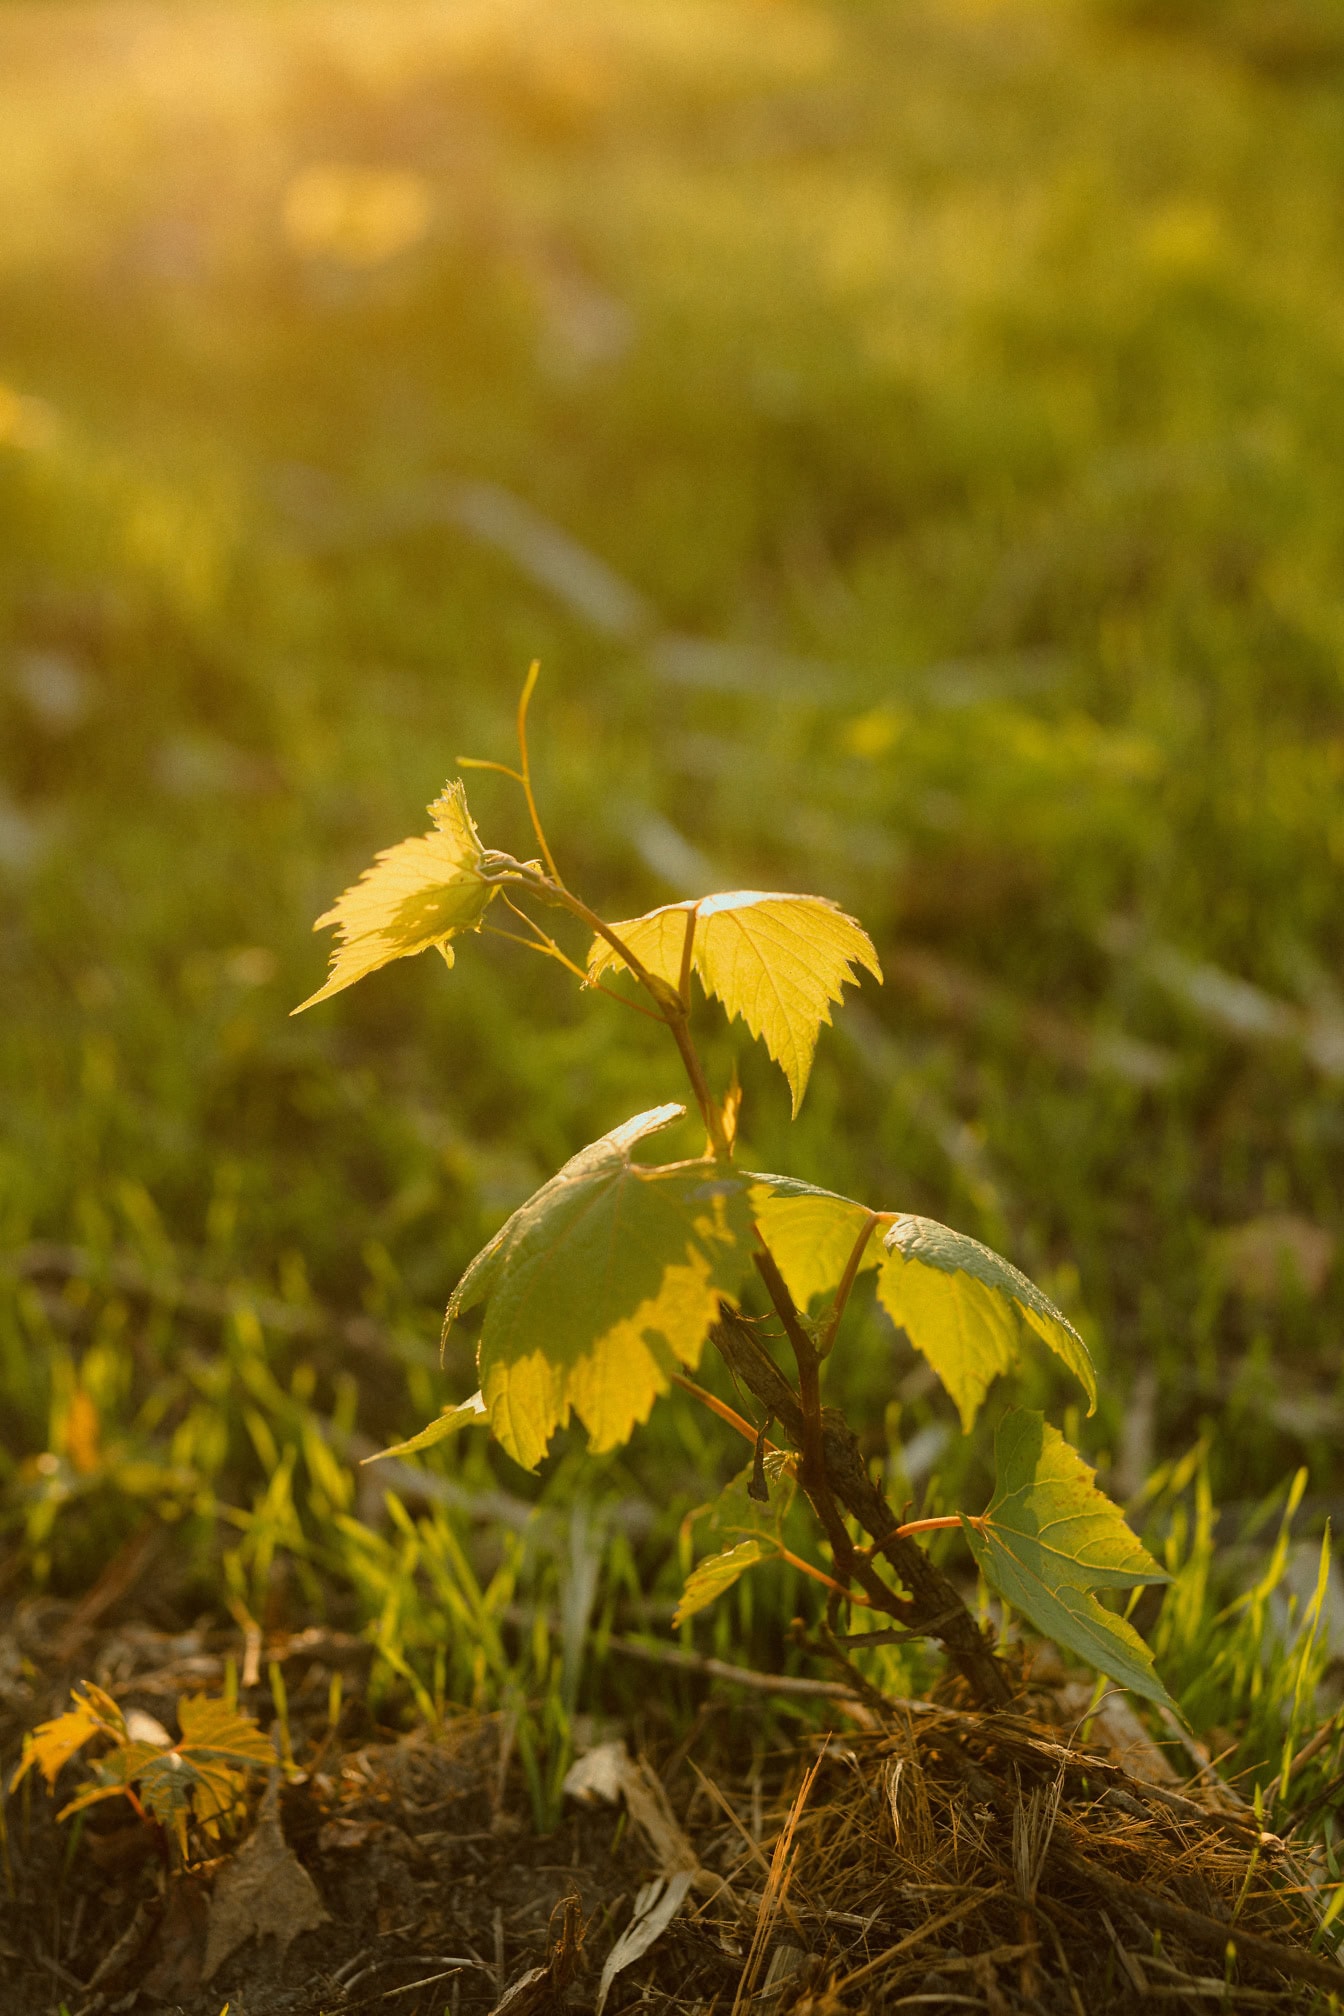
(525, 778)
(933, 1607)
(851, 1565)
(672, 1009)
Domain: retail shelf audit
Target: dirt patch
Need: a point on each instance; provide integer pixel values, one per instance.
(919, 1854)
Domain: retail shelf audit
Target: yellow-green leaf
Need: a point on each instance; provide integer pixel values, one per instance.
(712, 1577)
(420, 893)
(212, 1730)
(1049, 1537)
(471, 1413)
(753, 1528)
(778, 961)
(812, 1234)
(969, 1310)
(52, 1744)
(600, 1286)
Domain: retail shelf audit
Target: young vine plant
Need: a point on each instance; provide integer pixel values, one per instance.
(603, 1290)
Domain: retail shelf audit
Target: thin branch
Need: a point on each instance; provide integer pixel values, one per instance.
(742, 1676)
(550, 950)
(850, 1564)
(804, 1351)
(529, 686)
(673, 1011)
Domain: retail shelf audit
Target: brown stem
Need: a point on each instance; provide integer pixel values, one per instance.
(669, 1003)
(933, 1606)
(850, 1564)
(805, 1356)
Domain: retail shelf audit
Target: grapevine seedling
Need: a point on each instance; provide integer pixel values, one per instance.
(202, 1778)
(603, 1289)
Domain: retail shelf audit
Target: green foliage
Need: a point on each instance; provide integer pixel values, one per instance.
(600, 1286)
(752, 1524)
(471, 1413)
(1048, 1538)
(200, 1779)
(967, 1309)
(612, 1275)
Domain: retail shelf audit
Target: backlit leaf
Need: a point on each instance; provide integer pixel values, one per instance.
(203, 1776)
(811, 1233)
(752, 1529)
(420, 893)
(213, 1731)
(600, 1286)
(969, 1311)
(471, 1413)
(52, 1744)
(777, 961)
(1049, 1537)
(712, 1577)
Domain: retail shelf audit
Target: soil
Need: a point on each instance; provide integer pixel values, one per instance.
(920, 1855)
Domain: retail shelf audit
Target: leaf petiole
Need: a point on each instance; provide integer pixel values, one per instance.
(484, 763)
(725, 1412)
(847, 1280)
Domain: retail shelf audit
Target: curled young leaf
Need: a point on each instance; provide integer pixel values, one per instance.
(420, 893)
(969, 1310)
(778, 961)
(600, 1286)
(1049, 1537)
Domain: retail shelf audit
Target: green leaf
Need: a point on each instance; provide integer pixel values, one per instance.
(754, 1529)
(777, 961)
(714, 1576)
(811, 1233)
(969, 1311)
(600, 1286)
(1049, 1537)
(420, 893)
(471, 1413)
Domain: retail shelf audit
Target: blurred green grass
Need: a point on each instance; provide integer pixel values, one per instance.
(940, 408)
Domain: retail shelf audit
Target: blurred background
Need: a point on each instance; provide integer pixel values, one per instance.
(910, 437)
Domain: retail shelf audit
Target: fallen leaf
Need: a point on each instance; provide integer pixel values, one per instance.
(609, 1773)
(175, 1970)
(262, 1889)
(655, 1907)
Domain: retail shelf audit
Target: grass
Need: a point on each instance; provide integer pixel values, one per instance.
(955, 391)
